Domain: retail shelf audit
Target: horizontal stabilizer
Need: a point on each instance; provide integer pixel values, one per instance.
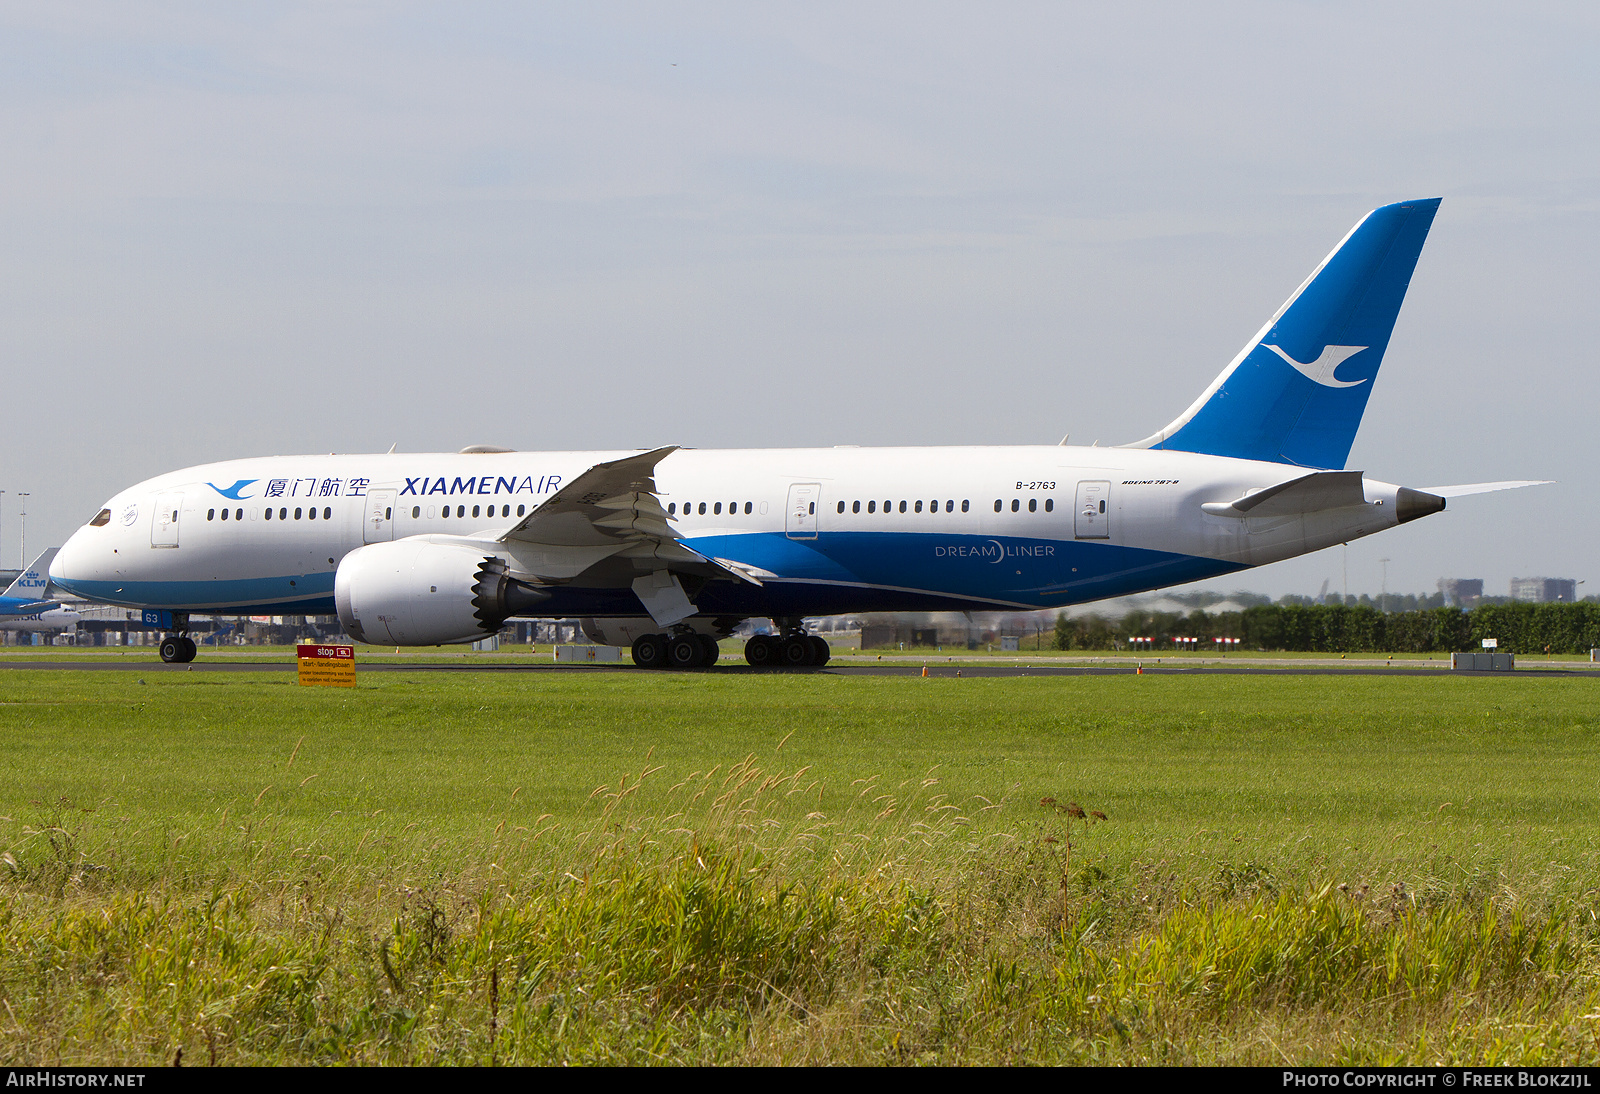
(1307, 494)
(1485, 487)
(13, 606)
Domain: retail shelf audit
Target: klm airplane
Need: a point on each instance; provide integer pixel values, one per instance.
(664, 550)
(24, 606)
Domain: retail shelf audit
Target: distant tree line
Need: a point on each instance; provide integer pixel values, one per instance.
(1331, 628)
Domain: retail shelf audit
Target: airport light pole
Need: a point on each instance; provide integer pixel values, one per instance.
(2, 502)
(1383, 597)
(22, 519)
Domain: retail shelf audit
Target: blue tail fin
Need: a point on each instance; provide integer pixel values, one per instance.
(32, 582)
(1297, 391)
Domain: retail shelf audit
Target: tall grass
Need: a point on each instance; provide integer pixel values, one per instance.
(720, 918)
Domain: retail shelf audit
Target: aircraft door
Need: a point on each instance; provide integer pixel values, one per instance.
(802, 520)
(1093, 519)
(379, 524)
(164, 529)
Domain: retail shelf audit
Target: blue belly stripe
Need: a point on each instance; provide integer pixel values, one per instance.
(835, 573)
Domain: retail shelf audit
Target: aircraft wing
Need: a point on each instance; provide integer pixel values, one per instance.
(610, 511)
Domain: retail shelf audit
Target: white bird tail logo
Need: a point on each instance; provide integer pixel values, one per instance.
(1322, 369)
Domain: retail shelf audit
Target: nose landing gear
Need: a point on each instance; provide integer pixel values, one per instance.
(179, 648)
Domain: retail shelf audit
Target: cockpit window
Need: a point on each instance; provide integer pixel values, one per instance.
(101, 519)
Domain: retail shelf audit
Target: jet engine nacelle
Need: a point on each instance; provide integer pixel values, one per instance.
(421, 592)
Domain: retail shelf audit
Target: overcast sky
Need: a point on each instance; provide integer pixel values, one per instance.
(233, 230)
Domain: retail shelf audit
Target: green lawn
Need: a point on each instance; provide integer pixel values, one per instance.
(902, 815)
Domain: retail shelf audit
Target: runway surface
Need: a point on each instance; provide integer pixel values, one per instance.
(946, 670)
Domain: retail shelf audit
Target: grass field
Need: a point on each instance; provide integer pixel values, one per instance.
(717, 867)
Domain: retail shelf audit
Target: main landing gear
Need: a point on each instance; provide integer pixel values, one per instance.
(689, 650)
(791, 651)
(677, 651)
(178, 649)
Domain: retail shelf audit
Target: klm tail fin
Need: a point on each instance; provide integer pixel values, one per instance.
(32, 582)
(1297, 391)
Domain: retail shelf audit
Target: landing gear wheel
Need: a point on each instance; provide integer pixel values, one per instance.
(819, 651)
(189, 648)
(650, 652)
(713, 651)
(761, 651)
(684, 651)
(172, 650)
(796, 651)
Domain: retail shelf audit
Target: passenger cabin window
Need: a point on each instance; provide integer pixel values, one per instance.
(1049, 505)
(855, 507)
(919, 506)
(747, 508)
(702, 509)
(297, 513)
(997, 505)
(211, 514)
(101, 519)
(872, 507)
(1015, 505)
(964, 506)
(475, 510)
(416, 511)
(520, 510)
(841, 507)
(311, 514)
(717, 509)
(672, 510)
(1033, 505)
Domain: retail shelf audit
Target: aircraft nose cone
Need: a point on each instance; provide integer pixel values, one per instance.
(58, 565)
(72, 562)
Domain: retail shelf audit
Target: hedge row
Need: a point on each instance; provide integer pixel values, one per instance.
(1327, 628)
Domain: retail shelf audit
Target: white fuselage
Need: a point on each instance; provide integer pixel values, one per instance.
(877, 529)
(46, 621)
